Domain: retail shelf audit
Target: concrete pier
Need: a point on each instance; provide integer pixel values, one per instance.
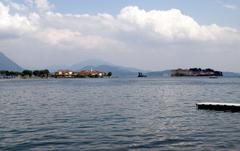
(234, 107)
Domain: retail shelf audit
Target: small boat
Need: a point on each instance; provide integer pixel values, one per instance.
(141, 75)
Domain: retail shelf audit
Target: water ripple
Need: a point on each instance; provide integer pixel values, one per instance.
(117, 114)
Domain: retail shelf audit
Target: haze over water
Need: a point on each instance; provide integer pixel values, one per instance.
(118, 114)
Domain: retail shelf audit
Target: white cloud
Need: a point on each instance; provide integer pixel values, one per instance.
(166, 38)
(43, 5)
(173, 25)
(227, 6)
(13, 25)
(17, 7)
(73, 39)
(232, 7)
(40, 5)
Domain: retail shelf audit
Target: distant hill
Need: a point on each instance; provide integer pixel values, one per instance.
(165, 73)
(91, 62)
(100, 65)
(231, 74)
(8, 64)
(116, 70)
(106, 67)
(57, 67)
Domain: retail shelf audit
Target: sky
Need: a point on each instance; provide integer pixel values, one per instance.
(146, 34)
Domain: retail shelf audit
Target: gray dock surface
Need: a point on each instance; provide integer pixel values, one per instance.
(235, 107)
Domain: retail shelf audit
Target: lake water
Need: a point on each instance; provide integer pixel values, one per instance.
(118, 114)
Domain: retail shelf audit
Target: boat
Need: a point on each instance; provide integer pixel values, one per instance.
(141, 75)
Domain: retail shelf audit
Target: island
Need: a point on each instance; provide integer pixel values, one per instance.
(195, 72)
(81, 74)
(27, 74)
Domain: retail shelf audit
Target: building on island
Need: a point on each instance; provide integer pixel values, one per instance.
(65, 74)
(81, 74)
(92, 73)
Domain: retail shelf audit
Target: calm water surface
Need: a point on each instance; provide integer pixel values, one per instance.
(118, 114)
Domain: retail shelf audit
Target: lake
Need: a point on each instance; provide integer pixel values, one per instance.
(118, 114)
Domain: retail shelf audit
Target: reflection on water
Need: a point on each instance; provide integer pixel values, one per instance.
(112, 114)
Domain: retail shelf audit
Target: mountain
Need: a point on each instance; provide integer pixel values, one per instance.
(116, 70)
(231, 74)
(8, 64)
(57, 67)
(165, 73)
(91, 62)
(105, 66)
(101, 65)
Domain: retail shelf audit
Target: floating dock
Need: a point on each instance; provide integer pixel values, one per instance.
(234, 107)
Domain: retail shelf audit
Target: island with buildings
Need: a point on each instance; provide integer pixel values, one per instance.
(81, 74)
(90, 73)
(27, 74)
(195, 72)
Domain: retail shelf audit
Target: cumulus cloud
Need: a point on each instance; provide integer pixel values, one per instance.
(13, 25)
(164, 39)
(172, 25)
(17, 7)
(73, 39)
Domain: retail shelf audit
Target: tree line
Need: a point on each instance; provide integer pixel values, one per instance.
(26, 73)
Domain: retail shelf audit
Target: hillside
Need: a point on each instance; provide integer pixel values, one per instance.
(116, 70)
(105, 66)
(165, 73)
(231, 74)
(8, 64)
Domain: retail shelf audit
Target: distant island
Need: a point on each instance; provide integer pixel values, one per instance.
(26, 74)
(9, 69)
(81, 74)
(195, 72)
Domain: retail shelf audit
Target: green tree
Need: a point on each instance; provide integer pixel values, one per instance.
(2, 72)
(36, 73)
(27, 73)
(109, 74)
(41, 73)
(46, 72)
